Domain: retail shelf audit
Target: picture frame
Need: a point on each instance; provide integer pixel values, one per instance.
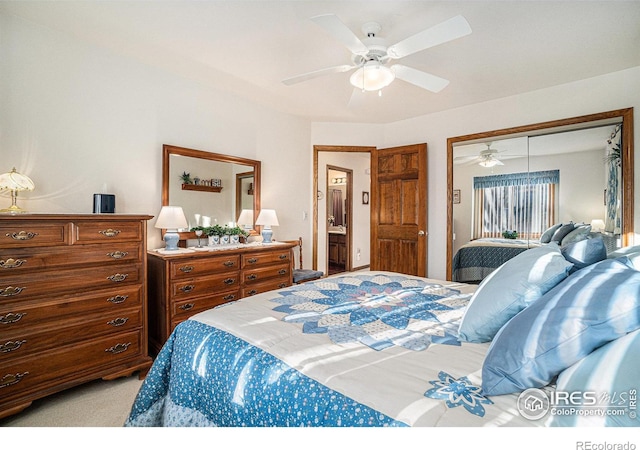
(365, 198)
(456, 196)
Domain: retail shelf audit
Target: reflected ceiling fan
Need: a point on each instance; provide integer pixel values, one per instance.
(371, 55)
(486, 158)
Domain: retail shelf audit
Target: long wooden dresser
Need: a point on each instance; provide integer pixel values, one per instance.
(72, 302)
(185, 282)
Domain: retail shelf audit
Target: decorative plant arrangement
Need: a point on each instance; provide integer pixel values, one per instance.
(510, 234)
(223, 234)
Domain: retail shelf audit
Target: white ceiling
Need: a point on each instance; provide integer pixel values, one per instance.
(249, 47)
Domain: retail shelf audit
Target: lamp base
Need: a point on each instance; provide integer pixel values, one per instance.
(266, 235)
(171, 240)
(13, 209)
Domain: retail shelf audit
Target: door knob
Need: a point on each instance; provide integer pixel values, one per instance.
(421, 233)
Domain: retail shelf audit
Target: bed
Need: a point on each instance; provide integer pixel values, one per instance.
(478, 258)
(382, 349)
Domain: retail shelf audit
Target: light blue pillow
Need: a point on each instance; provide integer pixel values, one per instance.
(611, 374)
(511, 288)
(579, 233)
(546, 236)
(593, 306)
(585, 252)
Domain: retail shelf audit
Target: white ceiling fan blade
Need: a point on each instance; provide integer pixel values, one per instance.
(336, 28)
(317, 73)
(448, 30)
(421, 79)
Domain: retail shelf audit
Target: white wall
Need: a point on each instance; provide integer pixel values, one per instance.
(76, 118)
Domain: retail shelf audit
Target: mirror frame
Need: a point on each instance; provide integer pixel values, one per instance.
(573, 123)
(168, 150)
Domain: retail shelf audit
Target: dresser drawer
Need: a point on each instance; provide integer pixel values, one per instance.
(259, 288)
(28, 314)
(185, 309)
(23, 342)
(261, 259)
(63, 282)
(15, 260)
(107, 231)
(196, 287)
(30, 234)
(204, 266)
(253, 276)
(21, 375)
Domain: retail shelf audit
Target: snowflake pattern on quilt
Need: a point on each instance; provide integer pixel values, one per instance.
(379, 311)
(458, 392)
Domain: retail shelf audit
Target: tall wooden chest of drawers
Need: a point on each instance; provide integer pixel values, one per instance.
(72, 302)
(182, 284)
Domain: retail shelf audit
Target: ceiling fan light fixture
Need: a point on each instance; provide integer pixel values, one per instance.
(490, 162)
(372, 76)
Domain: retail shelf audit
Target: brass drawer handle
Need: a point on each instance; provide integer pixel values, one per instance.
(12, 263)
(117, 299)
(117, 254)
(118, 348)
(252, 292)
(229, 281)
(186, 269)
(282, 271)
(10, 291)
(252, 276)
(229, 263)
(252, 260)
(10, 346)
(11, 318)
(187, 288)
(109, 232)
(187, 306)
(118, 277)
(22, 235)
(118, 322)
(283, 256)
(11, 379)
(229, 297)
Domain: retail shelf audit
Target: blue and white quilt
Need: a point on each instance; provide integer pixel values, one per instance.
(370, 349)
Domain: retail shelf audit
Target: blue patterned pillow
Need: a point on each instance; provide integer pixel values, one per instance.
(593, 306)
(611, 372)
(511, 288)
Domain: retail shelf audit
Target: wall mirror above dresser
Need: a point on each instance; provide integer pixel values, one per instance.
(586, 162)
(216, 190)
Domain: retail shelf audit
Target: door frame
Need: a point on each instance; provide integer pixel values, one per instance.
(316, 150)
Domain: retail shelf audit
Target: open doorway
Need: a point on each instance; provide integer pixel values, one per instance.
(339, 198)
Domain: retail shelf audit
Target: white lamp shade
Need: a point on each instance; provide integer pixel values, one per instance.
(171, 218)
(597, 225)
(246, 217)
(267, 217)
(373, 76)
(15, 181)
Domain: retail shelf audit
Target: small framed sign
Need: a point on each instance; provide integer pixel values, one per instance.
(456, 196)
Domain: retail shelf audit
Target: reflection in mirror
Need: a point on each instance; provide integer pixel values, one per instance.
(211, 188)
(529, 178)
(337, 196)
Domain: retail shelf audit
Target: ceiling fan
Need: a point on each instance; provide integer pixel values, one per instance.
(371, 55)
(486, 158)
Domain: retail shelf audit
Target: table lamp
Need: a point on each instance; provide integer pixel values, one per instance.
(15, 182)
(171, 218)
(267, 218)
(246, 219)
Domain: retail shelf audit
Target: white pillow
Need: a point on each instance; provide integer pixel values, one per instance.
(510, 289)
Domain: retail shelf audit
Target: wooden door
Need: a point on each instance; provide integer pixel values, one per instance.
(399, 209)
